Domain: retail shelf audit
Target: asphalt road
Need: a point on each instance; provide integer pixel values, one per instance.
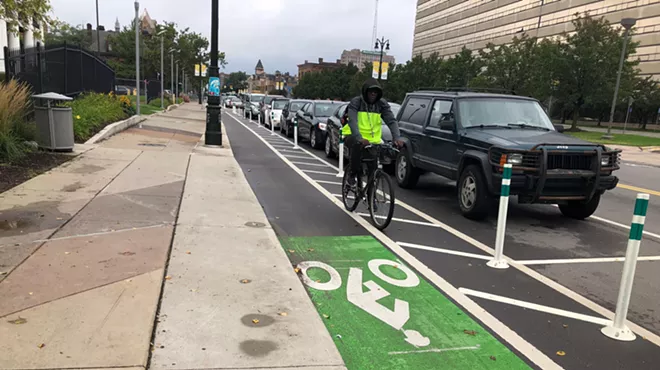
(429, 226)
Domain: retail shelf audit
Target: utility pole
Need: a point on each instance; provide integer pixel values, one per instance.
(627, 23)
(162, 71)
(213, 135)
(172, 75)
(98, 37)
(137, 57)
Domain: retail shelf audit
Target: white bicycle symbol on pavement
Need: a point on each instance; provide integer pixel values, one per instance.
(368, 300)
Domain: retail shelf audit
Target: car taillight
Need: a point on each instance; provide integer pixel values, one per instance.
(322, 126)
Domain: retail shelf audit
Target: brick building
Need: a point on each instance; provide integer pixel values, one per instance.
(316, 67)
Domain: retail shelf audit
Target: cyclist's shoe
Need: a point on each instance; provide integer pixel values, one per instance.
(352, 180)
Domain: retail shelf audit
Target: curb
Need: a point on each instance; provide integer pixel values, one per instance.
(171, 106)
(115, 128)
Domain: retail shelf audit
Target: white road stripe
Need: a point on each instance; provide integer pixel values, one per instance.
(402, 220)
(437, 350)
(445, 251)
(536, 307)
(295, 156)
(310, 164)
(319, 172)
(583, 260)
(327, 182)
(627, 227)
(651, 337)
(504, 332)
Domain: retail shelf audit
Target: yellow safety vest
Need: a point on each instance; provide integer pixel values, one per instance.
(369, 125)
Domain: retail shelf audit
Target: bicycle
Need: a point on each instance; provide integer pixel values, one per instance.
(372, 169)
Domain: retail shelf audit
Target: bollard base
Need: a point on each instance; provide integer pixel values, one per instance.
(502, 264)
(340, 174)
(625, 334)
(296, 147)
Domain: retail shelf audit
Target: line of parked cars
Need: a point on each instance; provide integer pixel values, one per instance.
(467, 137)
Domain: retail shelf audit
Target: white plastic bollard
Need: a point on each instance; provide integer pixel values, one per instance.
(618, 329)
(272, 126)
(498, 260)
(250, 114)
(295, 134)
(341, 155)
(233, 109)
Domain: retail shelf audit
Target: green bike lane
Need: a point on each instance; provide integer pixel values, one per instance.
(380, 313)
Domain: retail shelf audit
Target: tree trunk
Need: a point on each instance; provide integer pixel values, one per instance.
(563, 116)
(576, 113)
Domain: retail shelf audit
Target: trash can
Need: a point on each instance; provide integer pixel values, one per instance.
(54, 124)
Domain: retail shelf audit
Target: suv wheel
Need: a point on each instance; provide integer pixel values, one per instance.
(328, 147)
(406, 175)
(580, 210)
(473, 197)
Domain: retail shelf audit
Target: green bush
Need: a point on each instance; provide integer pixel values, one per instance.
(93, 111)
(15, 103)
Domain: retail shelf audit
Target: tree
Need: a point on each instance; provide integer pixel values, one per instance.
(461, 69)
(589, 62)
(236, 81)
(61, 32)
(17, 12)
(510, 67)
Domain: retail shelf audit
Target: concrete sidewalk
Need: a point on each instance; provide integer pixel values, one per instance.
(84, 249)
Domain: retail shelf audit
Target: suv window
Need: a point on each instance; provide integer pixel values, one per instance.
(341, 111)
(442, 110)
(310, 108)
(415, 110)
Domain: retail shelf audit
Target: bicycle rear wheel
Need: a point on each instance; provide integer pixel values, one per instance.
(350, 193)
(381, 200)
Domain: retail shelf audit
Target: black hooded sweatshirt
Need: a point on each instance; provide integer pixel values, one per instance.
(359, 104)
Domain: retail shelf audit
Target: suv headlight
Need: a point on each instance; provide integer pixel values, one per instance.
(515, 158)
(605, 160)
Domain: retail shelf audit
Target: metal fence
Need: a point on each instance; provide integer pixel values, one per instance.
(65, 69)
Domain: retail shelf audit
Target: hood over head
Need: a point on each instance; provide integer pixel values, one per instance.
(371, 83)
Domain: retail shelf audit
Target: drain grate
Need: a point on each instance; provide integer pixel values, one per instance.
(151, 144)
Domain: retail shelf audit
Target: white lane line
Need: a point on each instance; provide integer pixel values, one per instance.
(536, 307)
(327, 182)
(402, 220)
(320, 172)
(295, 156)
(627, 227)
(584, 260)
(309, 164)
(437, 350)
(510, 336)
(445, 251)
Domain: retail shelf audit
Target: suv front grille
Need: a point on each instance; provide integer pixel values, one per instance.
(569, 161)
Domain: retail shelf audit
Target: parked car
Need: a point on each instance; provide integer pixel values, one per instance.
(334, 126)
(312, 120)
(122, 90)
(233, 101)
(265, 105)
(468, 137)
(273, 115)
(252, 105)
(289, 113)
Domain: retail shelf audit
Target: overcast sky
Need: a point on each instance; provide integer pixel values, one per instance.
(282, 33)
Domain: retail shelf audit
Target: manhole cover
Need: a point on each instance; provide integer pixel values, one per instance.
(254, 224)
(151, 144)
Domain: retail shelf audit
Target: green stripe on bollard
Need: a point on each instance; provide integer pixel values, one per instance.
(506, 181)
(341, 138)
(639, 216)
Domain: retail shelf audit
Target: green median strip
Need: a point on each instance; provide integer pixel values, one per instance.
(382, 315)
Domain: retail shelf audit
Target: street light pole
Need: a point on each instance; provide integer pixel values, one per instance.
(383, 45)
(137, 57)
(627, 23)
(98, 37)
(172, 74)
(176, 94)
(162, 71)
(213, 134)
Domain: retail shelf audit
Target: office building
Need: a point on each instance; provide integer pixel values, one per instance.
(317, 67)
(445, 26)
(360, 57)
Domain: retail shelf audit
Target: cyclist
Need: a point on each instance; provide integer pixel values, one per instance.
(363, 126)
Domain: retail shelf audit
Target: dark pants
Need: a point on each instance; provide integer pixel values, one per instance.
(356, 152)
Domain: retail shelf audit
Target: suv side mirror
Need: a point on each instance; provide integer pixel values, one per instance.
(559, 128)
(448, 125)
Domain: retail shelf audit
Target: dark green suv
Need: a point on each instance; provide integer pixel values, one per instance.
(468, 137)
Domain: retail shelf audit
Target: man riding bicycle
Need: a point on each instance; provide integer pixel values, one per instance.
(364, 123)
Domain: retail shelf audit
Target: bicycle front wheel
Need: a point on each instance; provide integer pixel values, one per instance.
(350, 193)
(381, 200)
